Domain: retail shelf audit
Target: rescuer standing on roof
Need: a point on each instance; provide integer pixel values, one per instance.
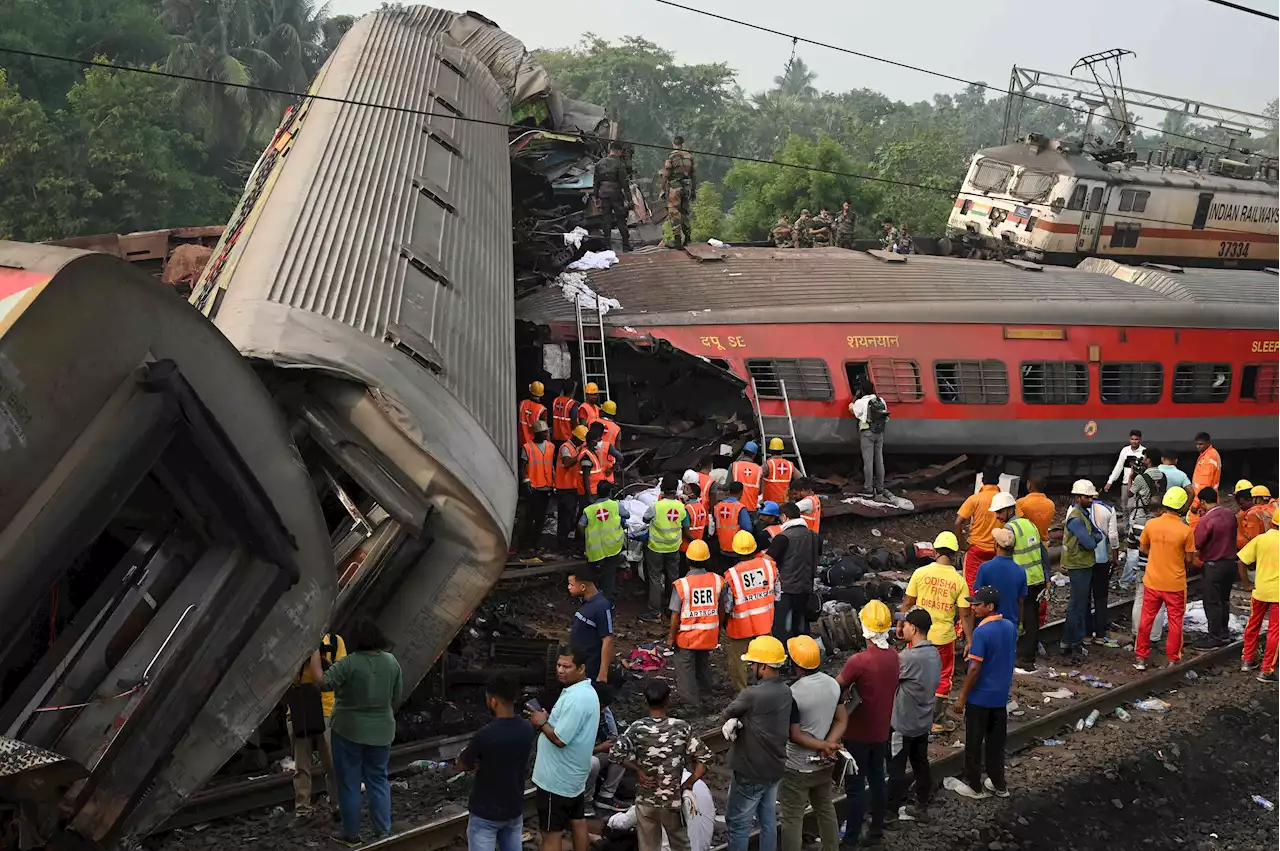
(589, 409)
(746, 604)
(695, 625)
(820, 228)
(531, 411)
(731, 517)
(1208, 471)
(603, 536)
(611, 438)
(747, 471)
(667, 519)
(679, 187)
(888, 236)
(1262, 553)
(611, 189)
(817, 728)
(782, 236)
(1169, 545)
(976, 510)
(803, 236)
(777, 474)
(569, 490)
(538, 460)
(795, 550)
(846, 223)
(563, 415)
(758, 722)
(940, 590)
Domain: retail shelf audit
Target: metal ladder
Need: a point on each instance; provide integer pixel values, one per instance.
(592, 358)
(788, 436)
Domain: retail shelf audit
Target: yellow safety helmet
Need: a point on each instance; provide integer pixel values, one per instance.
(744, 543)
(1275, 517)
(775, 445)
(1175, 498)
(1260, 490)
(591, 389)
(804, 651)
(765, 650)
(610, 407)
(698, 551)
(580, 432)
(536, 389)
(875, 616)
(946, 541)
(1242, 485)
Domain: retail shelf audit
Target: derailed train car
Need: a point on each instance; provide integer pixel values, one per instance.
(163, 560)
(368, 272)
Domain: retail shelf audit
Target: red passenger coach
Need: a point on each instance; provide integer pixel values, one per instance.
(972, 356)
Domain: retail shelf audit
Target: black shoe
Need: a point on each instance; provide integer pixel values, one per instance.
(650, 617)
(1267, 677)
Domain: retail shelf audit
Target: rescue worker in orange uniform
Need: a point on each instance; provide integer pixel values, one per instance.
(768, 524)
(589, 409)
(563, 415)
(695, 625)
(699, 520)
(731, 517)
(777, 474)
(976, 512)
(1246, 530)
(568, 487)
(531, 411)
(591, 462)
(746, 604)
(809, 503)
(538, 461)
(612, 438)
(1263, 507)
(705, 482)
(1208, 471)
(748, 472)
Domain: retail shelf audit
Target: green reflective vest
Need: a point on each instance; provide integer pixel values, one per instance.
(1074, 556)
(604, 530)
(1026, 548)
(667, 525)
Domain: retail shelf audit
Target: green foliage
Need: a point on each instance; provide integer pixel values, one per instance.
(707, 213)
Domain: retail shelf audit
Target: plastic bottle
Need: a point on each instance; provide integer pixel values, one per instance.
(1092, 719)
(1122, 715)
(422, 765)
(1264, 803)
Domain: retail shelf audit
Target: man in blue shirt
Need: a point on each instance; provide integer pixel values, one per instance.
(566, 738)
(1005, 575)
(592, 627)
(986, 693)
(1172, 475)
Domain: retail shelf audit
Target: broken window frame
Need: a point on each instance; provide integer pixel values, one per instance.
(806, 379)
(1260, 382)
(1197, 383)
(1060, 382)
(971, 382)
(896, 379)
(1131, 382)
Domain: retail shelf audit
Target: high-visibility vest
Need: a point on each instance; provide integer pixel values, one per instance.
(597, 471)
(541, 463)
(699, 611)
(751, 583)
(568, 476)
(773, 530)
(667, 527)
(727, 514)
(697, 522)
(1075, 556)
(749, 474)
(777, 479)
(588, 413)
(561, 424)
(530, 413)
(1026, 548)
(814, 520)
(612, 434)
(604, 536)
(704, 483)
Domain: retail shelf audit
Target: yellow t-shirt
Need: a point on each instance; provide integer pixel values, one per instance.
(1263, 552)
(939, 589)
(326, 697)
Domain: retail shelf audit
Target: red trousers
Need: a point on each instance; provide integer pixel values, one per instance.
(974, 559)
(1175, 602)
(947, 653)
(1253, 629)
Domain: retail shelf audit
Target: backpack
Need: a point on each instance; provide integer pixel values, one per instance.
(1157, 489)
(877, 415)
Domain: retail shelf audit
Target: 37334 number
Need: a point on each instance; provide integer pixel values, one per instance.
(1233, 249)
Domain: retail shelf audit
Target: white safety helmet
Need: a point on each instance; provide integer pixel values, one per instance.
(1002, 500)
(1083, 487)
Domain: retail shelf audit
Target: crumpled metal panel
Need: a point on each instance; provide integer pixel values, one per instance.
(1226, 286)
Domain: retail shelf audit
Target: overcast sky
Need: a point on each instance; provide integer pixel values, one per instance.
(1188, 48)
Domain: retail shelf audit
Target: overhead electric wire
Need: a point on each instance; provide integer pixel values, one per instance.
(954, 193)
(798, 38)
(1239, 8)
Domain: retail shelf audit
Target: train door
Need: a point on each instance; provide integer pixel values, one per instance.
(1094, 204)
(1202, 211)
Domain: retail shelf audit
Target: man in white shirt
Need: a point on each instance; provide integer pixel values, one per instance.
(699, 816)
(1129, 460)
(872, 414)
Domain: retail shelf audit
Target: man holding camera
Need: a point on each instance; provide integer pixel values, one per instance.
(1128, 465)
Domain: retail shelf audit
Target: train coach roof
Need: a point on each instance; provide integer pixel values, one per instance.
(1222, 286)
(1056, 162)
(753, 285)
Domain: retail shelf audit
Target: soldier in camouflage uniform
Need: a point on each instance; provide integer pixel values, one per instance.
(821, 229)
(679, 187)
(803, 235)
(612, 191)
(782, 237)
(845, 224)
(658, 748)
(889, 237)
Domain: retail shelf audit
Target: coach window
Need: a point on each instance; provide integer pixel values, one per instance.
(1260, 382)
(1139, 383)
(1055, 383)
(1095, 199)
(1201, 382)
(896, 379)
(1077, 197)
(1133, 200)
(1125, 235)
(804, 378)
(971, 382)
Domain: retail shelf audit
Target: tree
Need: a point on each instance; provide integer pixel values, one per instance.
(796, 80)
(37, 193)
(707, 214)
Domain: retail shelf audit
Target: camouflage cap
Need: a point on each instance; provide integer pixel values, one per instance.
(804, 212)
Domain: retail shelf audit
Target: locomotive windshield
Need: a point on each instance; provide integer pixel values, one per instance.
(991, 175)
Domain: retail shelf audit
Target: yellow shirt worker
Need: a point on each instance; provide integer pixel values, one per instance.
(1262, 553)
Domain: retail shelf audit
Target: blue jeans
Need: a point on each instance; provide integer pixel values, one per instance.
(748, 799)
(486, 835)
(871, 763)
(1130, 575)
(357, 763)
(1078, 607)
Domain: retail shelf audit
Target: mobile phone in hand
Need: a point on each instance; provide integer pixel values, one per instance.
(534, 705)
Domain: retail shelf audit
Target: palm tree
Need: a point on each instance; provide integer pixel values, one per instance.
(796, 79)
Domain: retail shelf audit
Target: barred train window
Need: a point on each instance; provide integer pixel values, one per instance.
(1055, 383)
(1260, 382)
(1032, 185)
(897, 379)
(991, 176)
(971, 382)
(805, 378)
(1132, 383)
(1201, 382)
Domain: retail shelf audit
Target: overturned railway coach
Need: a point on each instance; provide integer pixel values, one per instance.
(972, 356)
